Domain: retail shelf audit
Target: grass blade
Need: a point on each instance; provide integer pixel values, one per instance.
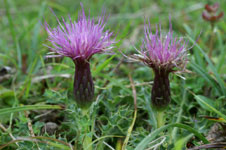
(179, 115)
(28, 107)
(203, 101)
(103, 65)
(206, 76)
(13, 33)
(142, 145)
(213, 69)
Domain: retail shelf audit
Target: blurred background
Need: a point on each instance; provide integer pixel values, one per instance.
(22, 34)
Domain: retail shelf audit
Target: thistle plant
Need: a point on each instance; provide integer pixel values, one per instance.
(212, 15)
(165, 54)
(80, 40)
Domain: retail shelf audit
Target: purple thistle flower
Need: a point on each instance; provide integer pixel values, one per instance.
(164, 54)
(80, 41)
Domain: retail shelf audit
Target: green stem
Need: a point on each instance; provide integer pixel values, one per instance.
(134, 117)
(88, 138)
(130, 130)
(85, 111)
(86, 143)
(119, 144)
(160, 118)
(211, 42)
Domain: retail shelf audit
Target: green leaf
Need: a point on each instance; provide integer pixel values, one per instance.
(180, 144)
(4, 93)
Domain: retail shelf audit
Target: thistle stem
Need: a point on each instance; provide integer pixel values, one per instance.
(119, 144)
(87, 139)
(211, 41)
(160, 118)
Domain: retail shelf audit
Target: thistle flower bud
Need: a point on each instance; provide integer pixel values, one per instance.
(162, 53)
(210, 13)
(160, 94)
(83, 82)
(212, 8)
(80, 41)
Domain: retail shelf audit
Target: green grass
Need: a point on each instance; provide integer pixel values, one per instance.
(28, 89)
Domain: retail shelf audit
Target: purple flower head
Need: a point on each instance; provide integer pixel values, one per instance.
(81, 39)
(163, 53)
